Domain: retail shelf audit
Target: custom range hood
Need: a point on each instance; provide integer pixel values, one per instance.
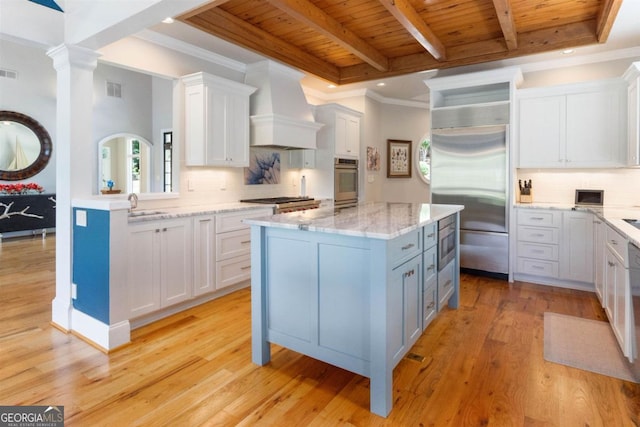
(280, 114)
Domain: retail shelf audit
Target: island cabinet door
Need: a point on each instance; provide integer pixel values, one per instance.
(405, 300)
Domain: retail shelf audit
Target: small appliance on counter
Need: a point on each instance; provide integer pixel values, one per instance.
(526, 191)
(287, 204)
(589, 197)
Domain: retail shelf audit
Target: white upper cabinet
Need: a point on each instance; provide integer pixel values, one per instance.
(341, 131)
(632, 76)
(216, 121)
(573, 126)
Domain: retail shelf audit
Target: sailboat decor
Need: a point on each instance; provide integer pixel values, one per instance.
(20, 164)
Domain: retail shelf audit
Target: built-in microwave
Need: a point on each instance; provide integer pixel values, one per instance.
(345, 182)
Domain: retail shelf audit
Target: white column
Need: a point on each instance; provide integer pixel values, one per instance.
(75, 160)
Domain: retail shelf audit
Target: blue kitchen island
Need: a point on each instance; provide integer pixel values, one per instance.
(352, 287)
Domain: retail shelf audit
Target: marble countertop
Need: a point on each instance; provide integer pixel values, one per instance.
(612, 215)
(186, 211)
(378, 220)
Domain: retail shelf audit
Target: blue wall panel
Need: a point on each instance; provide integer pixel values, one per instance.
(91, 264)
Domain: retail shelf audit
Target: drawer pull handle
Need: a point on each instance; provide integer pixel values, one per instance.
(537, 218)
(613, 242)
(431, 305)
(157, 230)
(611, 264)
(409, 246)
(246, 267)
(410, 273)
(537, 251)
(431, 235)
(538, 235)
(244, 242)
(537, 267)
(447, 283)
(431, 267)
(164, 229)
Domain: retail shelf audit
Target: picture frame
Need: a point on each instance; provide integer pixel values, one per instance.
(398, 158)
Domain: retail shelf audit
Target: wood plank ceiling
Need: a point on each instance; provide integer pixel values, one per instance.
(348, 41)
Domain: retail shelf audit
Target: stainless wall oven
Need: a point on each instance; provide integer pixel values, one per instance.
(446, 241)
(345, 182)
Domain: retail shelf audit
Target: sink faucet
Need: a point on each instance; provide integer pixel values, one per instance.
(133, 199)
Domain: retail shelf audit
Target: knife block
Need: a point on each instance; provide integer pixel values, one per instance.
(527, 198)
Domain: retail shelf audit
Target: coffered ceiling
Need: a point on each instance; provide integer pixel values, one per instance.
(349, 41)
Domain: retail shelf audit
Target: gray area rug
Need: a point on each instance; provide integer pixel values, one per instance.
(584, 344)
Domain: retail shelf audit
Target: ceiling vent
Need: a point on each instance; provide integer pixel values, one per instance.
(8, 74)
(114, 90)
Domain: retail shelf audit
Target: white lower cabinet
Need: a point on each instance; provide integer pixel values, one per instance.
(204, 254)
(555, 245)
(159, 272)
(599, 258)
(233, 247)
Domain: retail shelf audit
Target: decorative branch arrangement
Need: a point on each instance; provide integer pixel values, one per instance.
(8, 214)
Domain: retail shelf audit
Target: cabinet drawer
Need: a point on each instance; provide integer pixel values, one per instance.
(233, 221)
(430, 263)
(539, 217)
(430, 235)
(446, 285)
(429, 303)
(538, 251)
(538, 235)
(537, 267)
(232, 271)
(618, 245)
(232, 244)
(405, 247)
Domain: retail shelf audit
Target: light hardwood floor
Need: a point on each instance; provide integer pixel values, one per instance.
(483, 365)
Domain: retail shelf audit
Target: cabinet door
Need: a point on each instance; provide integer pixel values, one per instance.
(237, 130)
(542, 131)
(594, 129)
(195, 109)
(621, 324)
(143, 272)
(204, 255)
(610, 267)
(302, 159)
(633, 124)
(576, 249)
(347, 140)
(405, 299)
(599, 260)
(176, 261)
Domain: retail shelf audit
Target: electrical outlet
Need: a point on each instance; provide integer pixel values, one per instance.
(74, 291)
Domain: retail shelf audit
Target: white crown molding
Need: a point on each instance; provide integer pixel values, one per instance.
(331, 97)
(544, 64)
(189, 49)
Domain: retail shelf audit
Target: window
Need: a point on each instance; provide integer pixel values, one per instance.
(168, 148)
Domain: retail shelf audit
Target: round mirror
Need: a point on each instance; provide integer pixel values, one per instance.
(423, 158)
(25, 146)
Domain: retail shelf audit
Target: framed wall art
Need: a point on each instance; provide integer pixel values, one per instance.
(398, 158)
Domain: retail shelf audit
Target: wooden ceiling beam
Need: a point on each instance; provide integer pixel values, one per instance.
(606, 17)
(409, 18)
(507, 23)
(312, 16)
(539, 41)
(234, 30)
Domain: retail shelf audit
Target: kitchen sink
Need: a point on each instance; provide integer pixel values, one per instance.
(135, 214)
(634, 222)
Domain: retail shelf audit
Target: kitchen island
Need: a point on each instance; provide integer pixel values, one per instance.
(347, 286)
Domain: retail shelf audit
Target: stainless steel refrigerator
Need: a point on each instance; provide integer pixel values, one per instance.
(469, 166)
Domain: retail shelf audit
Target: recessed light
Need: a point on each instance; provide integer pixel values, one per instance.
(168, 20)
(381, 84)
(331, 86)
(568, 51)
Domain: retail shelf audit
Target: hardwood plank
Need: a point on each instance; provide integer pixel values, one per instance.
(483, 364)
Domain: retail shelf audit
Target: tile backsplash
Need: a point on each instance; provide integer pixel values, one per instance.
(621, 186)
